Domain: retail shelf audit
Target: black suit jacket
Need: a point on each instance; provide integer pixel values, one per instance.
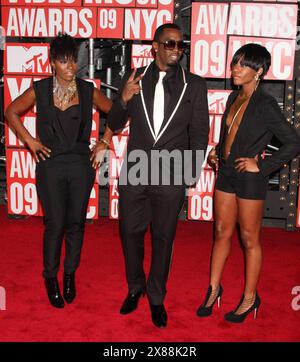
(186, 120)
(261, 120)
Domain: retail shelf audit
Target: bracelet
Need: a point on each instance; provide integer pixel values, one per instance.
(103, 140)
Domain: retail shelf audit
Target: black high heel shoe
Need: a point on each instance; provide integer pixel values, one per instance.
(203, 310)
(239, 318)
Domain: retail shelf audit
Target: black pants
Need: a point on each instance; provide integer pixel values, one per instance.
(139, 205)
(64, 186)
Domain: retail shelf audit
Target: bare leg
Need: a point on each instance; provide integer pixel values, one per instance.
(225, 206)
(250, 218)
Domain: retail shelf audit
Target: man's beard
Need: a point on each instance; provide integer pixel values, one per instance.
(173, 64)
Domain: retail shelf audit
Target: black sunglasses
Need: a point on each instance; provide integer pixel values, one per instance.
(171, 44)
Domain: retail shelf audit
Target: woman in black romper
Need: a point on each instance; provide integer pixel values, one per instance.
(65, 170)
(250, 120)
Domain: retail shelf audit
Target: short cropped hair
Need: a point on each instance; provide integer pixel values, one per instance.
(254, 56)
(63, 47)
(160, 30)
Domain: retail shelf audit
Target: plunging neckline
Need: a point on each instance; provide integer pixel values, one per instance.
(241, 121)
(63, 110)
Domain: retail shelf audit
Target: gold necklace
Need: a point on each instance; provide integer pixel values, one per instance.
(64, 94)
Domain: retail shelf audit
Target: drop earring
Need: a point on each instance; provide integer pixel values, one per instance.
(54, 78)
(257, 78)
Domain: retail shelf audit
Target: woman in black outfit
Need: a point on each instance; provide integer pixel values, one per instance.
(66, 173)
(250, 120)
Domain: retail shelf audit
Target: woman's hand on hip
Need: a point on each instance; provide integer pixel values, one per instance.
(248, 164)
(213, 159)
(39, 151)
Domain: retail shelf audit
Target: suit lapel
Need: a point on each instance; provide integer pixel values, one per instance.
(246, 120)
(147, 97)
(147, 100)
(225, 115)
(242, 130)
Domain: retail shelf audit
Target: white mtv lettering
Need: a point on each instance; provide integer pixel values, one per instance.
(108, 2)
(23, 59)
(149, 17)
(119, 145)
(86, 30)
(116, 165)
(114, 209)
(2, 298)
(141, 62)
(29, 124)
(206, 182)
(33, 22)
(281, 50)
(14, 90)
(92, 209)
(216, 128)
(262, 20)
(217, 102)
(114, 189)
(212, 19)
(134, 22)
(16, 20)
(22, 165)
(70, 21)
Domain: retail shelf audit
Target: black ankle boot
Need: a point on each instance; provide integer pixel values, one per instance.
(53, 292)
(205, 311)
(159, 315)
(69, 287)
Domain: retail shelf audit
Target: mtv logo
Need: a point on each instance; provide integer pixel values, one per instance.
(217, 101)
(142, 50)
(27, 58)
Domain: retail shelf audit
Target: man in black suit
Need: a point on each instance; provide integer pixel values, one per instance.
(169, 112)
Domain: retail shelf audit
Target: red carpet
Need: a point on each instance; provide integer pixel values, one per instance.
(94, 316)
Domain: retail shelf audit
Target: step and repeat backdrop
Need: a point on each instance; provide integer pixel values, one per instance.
(218, 29)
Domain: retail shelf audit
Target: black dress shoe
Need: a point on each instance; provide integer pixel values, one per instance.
(131, 302)
(53, 292)
(69, 287)
(159, 315)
